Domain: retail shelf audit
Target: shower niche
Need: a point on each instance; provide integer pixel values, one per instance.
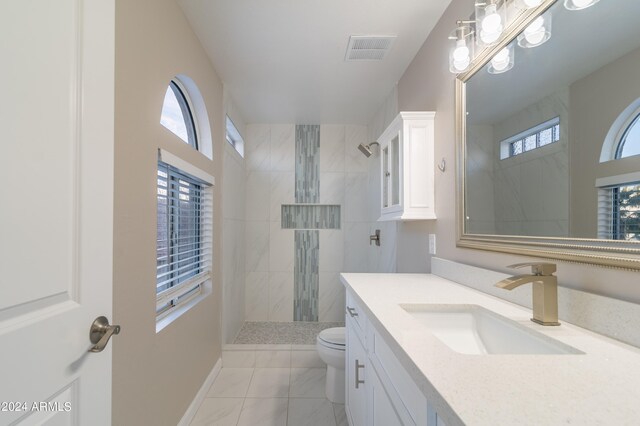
(407, 168)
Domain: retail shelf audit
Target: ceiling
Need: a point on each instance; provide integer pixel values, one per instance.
(283, 60)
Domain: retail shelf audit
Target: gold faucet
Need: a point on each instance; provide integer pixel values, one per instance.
(545, 290)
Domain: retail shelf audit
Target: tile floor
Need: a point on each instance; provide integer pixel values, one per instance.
(269, 397)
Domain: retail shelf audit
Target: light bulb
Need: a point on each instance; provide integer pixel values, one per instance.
(535, 39)
(502, 55)
(579, 4)
(461, 65)
(501, 61)
(489, 38)
(532, 3)
(535, 26)
(535, 32)
(461, 52)
(582, 3)
(492, 22)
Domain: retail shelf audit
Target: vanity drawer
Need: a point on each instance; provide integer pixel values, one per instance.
(356, 315)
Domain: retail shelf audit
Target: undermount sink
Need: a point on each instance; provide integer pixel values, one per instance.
(472, 329)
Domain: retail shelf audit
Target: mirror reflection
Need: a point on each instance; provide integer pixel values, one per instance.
(553, 129)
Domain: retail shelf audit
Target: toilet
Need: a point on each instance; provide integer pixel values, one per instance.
(330, 345)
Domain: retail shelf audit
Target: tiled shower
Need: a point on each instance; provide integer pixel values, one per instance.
(306, 195)
(306, 200)
(299, 203)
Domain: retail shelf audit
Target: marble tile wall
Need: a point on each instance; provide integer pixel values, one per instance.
(531, 190)
(313, 216)
(305, 275)
(480, 180)
(233, 237)
(270, 180)
(383, 258)
(306, 243)
(307, 161)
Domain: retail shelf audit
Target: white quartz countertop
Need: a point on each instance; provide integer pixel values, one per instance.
(599, 387)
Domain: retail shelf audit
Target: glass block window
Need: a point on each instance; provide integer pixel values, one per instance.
(543, 134)
(234, 138)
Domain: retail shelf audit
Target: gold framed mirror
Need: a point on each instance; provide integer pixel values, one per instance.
(548, 147)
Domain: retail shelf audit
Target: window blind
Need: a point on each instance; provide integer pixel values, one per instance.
(184, 236)
(605, 213)
(619, 212)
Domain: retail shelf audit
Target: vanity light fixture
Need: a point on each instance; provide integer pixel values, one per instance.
(503, 60)
(490, 22)
(491, 19)
(462, 52)
(529, 4)
(579, 4)
(537, 33)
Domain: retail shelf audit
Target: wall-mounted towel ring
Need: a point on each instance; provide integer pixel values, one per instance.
(443, 165)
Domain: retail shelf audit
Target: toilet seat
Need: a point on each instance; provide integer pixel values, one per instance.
(333, 338)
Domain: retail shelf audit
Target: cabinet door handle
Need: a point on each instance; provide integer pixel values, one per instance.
(352, 312)
(358, 381)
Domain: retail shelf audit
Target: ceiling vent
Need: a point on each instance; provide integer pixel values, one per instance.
(368, 48)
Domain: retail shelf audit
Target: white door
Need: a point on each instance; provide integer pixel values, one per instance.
(56, 209)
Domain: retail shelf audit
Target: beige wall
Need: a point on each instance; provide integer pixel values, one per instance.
(428, 85)
(157, 375)
(596, 101)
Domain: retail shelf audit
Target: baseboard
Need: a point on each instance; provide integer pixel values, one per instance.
(201, 395)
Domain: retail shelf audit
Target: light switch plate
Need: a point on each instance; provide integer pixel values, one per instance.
(432, 243)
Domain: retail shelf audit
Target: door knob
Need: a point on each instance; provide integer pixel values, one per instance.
(100, 333)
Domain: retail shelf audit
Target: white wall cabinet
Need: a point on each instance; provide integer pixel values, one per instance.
(379, 391)
(407, 167)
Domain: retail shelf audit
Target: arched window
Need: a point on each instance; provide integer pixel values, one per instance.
(619, 195)
(629, 141)
(177, 115)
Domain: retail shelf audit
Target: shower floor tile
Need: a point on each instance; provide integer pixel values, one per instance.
(295, 333)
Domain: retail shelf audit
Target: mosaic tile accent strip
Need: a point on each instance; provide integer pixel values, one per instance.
(305, 275)
(307, 164)
(310, 217)
(279, 333)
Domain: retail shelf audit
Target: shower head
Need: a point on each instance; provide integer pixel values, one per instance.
(366, 149)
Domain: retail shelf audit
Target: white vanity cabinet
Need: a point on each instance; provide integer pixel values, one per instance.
(379, 391)
(407, 167)
(356, 368)
(356, 379)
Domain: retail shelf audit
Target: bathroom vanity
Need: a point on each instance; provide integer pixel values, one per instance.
(379, 391)
(423, 350)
